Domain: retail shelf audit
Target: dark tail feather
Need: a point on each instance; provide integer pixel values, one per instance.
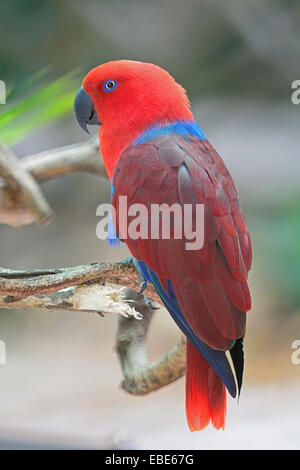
(237, 356)
(205, 393)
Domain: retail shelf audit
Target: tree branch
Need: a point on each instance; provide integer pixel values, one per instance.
(21, 200)
(61, 161)
(100, 287)
(96, 288)
(21, 284)
(21, 190)
(140, 377)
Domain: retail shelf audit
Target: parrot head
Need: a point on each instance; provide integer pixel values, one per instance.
(125, 98)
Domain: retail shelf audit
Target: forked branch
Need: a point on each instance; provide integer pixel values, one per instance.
(21, 199)
(96, 288)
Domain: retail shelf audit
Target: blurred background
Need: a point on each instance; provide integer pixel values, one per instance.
(60, 387)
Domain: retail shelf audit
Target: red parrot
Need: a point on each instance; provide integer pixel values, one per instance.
(155, 153)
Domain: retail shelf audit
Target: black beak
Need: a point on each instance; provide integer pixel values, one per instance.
(84, 110)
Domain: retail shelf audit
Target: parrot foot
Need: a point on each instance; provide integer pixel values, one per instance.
(142, 279)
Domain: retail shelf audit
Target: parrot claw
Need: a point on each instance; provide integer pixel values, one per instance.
(143, 285)
(128, 260)
(142, 279)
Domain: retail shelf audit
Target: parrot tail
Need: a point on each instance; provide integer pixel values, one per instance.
(205, 393)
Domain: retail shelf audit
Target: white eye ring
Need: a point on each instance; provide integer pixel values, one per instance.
(110, 85)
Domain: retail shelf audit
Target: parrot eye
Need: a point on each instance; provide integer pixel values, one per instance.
(109, 85)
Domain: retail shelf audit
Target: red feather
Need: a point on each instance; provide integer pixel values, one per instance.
(205, 394)
(210, 284)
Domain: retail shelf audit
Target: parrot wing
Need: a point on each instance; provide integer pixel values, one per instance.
(205, 290)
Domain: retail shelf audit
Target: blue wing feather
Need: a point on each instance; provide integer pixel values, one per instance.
(217, 359)
(112, 237)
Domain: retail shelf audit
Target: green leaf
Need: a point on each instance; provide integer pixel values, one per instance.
(47, 104)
